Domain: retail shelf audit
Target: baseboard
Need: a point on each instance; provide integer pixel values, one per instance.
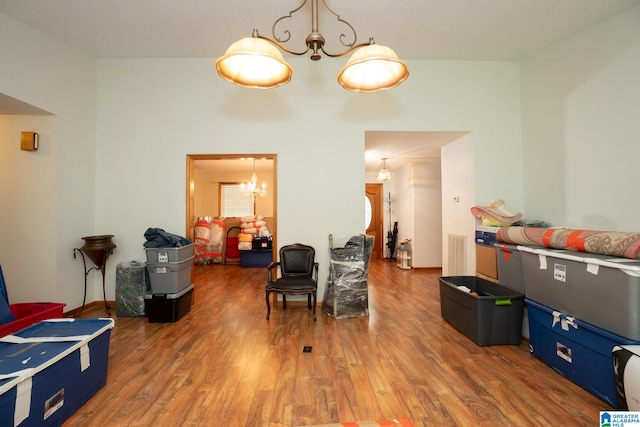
(434, 269)
(94, 305)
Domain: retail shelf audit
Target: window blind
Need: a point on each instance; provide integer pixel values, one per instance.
(234, 202)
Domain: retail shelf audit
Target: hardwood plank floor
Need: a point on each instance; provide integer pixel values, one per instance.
(225, 364)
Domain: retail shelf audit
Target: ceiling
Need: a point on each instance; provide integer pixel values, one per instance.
(488, 30)
(416, 29)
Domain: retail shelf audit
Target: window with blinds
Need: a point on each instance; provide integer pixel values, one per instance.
(234, 202)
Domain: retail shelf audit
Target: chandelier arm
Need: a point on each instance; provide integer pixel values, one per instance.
(287, 32)
(349, 50)
(280, 46)
(342, 36)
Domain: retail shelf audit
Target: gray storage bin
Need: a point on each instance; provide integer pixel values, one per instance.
(169, 254)
(597, 289)
(510, 267)
(510, 275)
(170, 277)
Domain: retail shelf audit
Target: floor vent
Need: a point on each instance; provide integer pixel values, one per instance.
(457, 254)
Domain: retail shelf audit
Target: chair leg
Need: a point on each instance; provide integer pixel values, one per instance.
(268, 306)
(284, 302)
(309, 301)
(314, 306)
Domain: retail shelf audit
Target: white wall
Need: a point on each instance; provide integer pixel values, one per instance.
(28, 179)
(427, 244)
(54, 77)
(150, 113)
(458, 196)
(405, 202)
(581, 128)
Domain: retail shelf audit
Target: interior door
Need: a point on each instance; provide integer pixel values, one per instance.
(373, 210)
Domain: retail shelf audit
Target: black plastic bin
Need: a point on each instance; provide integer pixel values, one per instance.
(164, 308)
(492, 317)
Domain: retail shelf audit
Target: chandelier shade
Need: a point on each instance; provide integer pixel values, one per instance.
(373, 68)
(256, 61)
(253, 62)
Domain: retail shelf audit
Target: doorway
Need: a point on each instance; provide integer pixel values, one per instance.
(373, 205)
(212, 169)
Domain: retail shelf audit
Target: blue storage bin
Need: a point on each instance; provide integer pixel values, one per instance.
(256, 258)
(578, 350)
(5, 311)
(51, 369)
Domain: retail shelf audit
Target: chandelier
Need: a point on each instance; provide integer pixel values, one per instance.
(384, 175)
(256, 62)
(251, 188)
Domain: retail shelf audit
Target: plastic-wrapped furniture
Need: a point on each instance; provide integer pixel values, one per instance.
(201, 240)
(298, 275)
(347, 293)
(132, 284)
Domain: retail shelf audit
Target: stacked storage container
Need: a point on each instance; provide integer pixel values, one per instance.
(170, 278)
(580, 307)
(509, 273)
(14, 317)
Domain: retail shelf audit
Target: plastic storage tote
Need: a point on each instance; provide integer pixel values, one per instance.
(169, 254)
(14, 317)
(170, 277)
(168, 307)
(576, 349)
(596, 289)
(485, 312)
(51, 369)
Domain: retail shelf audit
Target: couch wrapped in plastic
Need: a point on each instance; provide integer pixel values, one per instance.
(346, 294)
(208, 239)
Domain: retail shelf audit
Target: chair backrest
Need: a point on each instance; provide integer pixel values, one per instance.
(297, 260)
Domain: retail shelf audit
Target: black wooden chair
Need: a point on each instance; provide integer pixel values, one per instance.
(298, 275)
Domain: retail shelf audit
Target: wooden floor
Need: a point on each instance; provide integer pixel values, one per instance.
(223, 364)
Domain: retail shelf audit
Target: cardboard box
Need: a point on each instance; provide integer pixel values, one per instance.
(51, 369)
(486, 261)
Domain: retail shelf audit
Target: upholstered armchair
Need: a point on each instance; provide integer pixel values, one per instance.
(298, 275)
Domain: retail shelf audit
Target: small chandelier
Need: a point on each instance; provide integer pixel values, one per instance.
(384, 175)
(251, 188)
(255, 62)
